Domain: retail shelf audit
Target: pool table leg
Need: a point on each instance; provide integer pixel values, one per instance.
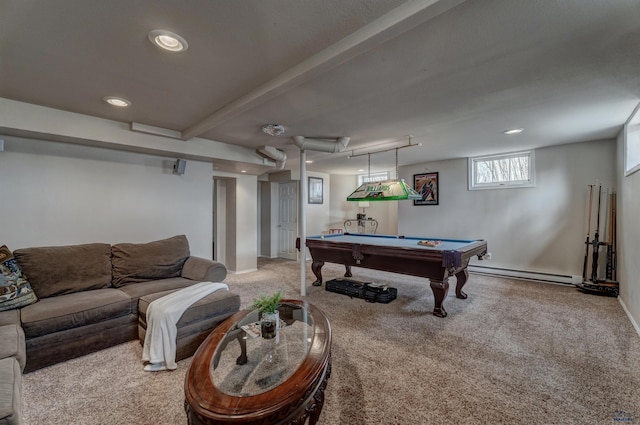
(462, 277)
(347, 271)
(440, 290)
(316, 268)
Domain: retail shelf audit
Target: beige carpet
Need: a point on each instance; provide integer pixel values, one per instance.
(514, 352)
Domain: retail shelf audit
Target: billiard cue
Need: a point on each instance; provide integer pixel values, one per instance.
(596, 242)
(586, 244)
(609, 269)
(613, 238)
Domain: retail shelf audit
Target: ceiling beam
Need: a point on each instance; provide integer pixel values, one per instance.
(385, 28)
(25, 120)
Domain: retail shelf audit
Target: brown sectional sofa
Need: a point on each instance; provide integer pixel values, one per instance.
(89, 299)
(12, 362)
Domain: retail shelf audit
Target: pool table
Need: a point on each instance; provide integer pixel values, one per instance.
(399, 254)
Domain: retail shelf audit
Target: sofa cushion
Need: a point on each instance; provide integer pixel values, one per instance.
(196, 323)
(73, 310)
(62, 270)
(12, 337)
(216, 304)
(133, 263)
(10, 397)
(15, 290)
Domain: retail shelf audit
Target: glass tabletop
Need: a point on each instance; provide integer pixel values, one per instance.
(245, 364)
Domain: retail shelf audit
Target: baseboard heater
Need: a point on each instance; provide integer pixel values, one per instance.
(372, 292)
(520, 274)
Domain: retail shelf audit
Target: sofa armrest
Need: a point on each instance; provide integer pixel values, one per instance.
(13, 345)
(204, 270)
(10, 317)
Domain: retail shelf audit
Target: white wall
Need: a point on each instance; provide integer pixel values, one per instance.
(220, 217)
(540, 229)
(230, 223)
(268, 219)
(274, 214)
(386, 213)
(61, 194)
(247, 218)
(241, 221)
(628, 210)
(318, 215)
(339, 208)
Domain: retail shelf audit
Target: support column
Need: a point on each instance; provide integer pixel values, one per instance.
(302, 223)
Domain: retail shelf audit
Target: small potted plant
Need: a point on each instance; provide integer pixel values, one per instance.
(267, 305)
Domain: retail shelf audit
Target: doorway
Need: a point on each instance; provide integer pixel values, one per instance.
(287, 220)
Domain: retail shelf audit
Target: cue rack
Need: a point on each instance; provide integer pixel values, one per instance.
(600, 255)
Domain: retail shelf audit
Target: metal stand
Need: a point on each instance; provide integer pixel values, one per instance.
(363, 225)
(608, 285)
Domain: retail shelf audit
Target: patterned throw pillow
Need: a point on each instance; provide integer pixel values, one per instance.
(15, 291)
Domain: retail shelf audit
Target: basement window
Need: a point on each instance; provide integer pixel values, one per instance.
(502, 171)
(373, 177)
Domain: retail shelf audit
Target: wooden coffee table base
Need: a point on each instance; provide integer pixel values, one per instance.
(309, 408)
(298, 399)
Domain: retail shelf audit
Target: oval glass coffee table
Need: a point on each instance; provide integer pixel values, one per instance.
(237, 378)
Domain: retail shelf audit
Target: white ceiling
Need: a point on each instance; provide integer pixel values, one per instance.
(452, 73)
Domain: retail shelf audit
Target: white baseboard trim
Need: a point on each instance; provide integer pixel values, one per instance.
(631, 319)
(521, 274)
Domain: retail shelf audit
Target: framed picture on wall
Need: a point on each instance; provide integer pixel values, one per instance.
(315, 190)
(426, 184)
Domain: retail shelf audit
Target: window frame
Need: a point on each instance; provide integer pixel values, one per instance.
(530, 182)
(631, 142)
(377, 177)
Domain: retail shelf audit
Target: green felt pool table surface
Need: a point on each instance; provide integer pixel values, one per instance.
(396, 241)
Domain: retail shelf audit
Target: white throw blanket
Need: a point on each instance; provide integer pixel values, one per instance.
(163, 315)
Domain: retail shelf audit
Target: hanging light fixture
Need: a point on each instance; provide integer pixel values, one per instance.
(365, 204)
(390, 190)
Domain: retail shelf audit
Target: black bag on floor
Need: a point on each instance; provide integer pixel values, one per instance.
(379, 293)
(372, 292)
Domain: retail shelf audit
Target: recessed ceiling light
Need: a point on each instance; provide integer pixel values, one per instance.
(117, 101)
(514, 131)
(308, 161)
(360, 170)
(168, 41)
(243, 171)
